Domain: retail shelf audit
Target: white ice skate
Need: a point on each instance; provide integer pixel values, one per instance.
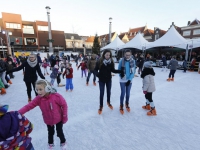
(63, 146)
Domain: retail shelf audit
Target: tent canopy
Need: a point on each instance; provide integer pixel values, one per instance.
(192, 43)
(171, 38)
(138, 42)
(114, 45)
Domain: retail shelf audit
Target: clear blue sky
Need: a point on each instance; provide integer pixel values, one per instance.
(87, 17)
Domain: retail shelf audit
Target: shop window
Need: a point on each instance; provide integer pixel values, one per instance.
(13, 26)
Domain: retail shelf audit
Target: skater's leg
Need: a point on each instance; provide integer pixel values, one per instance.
(101, 88)
(29, 89)
(60, 134)
(33, 84)
(128, 89)
(122, 86)
(71, 84)
(50, 133)
(108, 88)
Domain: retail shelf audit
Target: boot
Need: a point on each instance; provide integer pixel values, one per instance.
(121, 109)
(168, 79)
(100, 110)
(147, 106)
(29, 99)
(3, 91)
(109, 105)
(127, 107)
(172, 79)
(94, 83)
(87, 83)
(152, 112)
(9, 82)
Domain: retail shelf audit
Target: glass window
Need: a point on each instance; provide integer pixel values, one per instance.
(43, 28)
(13, 25)
(28, 27)
(186, 33)
(197, 31)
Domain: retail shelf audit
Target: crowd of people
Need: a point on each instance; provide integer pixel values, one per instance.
(47, 98)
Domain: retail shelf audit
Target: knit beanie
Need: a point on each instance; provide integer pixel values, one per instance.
(3, 109)
(148, 64)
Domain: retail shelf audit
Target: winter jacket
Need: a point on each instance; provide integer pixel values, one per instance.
(30, 73)
(193, 62)
(54, 108)
(54, 73)
(3, 65)
(83, 66)
(69, 73)
(45, 64)
(14, 131)
(148, 80)
(128, 74)
(104, 72)
(91, 63)
(39, 59)
(164, 61)
(173, 64)
(140, 62)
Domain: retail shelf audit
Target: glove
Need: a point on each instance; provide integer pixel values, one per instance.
(122, 74)
(64, 120)
(128, 83)
(145, 92)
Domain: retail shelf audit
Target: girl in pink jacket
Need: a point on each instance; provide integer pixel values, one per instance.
(54, 111)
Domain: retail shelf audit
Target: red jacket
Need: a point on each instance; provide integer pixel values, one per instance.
(83, 66)
(69, 73)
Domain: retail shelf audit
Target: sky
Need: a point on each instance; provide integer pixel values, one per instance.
(88, 17)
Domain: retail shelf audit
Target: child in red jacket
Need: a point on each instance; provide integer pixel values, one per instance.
(69, 75)
(54, 110)
(83, 68)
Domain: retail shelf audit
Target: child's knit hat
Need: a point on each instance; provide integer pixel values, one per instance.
(148, 64)
(3, 109)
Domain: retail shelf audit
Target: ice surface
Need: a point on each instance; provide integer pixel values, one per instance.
(176, 126)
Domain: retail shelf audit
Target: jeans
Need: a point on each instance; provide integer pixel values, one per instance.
(89, 74)
(172, 72)
(125, 89)
(3, 77)
(108, 88)
(52, 81)
(83, 71)
(29, 89)
(69, 84)
(59, 130)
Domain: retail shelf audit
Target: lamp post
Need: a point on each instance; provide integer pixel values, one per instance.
(7, 33)
(49, 30)
(2, 47)
(110, 23)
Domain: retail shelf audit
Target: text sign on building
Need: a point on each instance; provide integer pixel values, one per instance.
(31, 41)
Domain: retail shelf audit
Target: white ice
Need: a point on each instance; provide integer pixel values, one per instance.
(176, 126)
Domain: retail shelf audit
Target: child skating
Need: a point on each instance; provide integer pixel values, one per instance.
(69, 76)
(45, 64)
(54, 110)
(148, 87)
(83, 68)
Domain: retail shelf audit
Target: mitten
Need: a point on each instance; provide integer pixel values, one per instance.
(128, 83)
(64, 120)
(145, 92)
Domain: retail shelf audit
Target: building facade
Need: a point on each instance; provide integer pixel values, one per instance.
(27, 35)
(104, 39)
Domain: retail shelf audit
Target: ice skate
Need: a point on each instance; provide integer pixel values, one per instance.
(127, 107)
(152, 112)
(147, 107)
(100, 110)
(109, 105)
(121, 109)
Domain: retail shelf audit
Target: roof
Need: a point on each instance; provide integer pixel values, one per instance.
(69, 36)
(148, 32)
(194, 22)
(106, 36)
(90, 39)
(132, 32)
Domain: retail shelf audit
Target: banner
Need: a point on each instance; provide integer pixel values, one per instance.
(16, 40)
(31, 41)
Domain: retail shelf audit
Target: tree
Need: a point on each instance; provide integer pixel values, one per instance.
(96, 45)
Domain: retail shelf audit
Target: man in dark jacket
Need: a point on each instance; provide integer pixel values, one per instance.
(164, 61)
(91, 65)
(140, 63)
(30, 77)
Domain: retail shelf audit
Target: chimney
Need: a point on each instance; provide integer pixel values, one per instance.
(188, 23)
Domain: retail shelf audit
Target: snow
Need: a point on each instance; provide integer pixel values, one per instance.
(176, 126)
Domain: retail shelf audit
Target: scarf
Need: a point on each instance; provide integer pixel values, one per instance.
(131, 62)
(107, 62)
(147, 71)
(32, 63)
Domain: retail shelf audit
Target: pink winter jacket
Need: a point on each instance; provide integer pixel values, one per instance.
(53, 107)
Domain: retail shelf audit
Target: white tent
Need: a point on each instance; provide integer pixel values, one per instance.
(138, 42)
(192, 43)
(114, 44)
(171, 38)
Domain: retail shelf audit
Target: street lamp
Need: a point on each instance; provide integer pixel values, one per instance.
(7, 34)
(49, 30)
(2, 47)
(110, 22)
